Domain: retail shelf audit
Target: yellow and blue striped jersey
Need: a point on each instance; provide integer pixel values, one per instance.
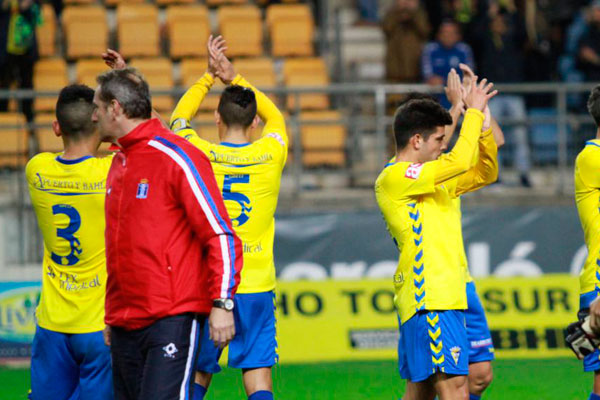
(68, 199)
(587, 197)
(249, 176)
(418, 204)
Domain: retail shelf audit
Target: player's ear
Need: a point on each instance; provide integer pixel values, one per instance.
(255, 122)
(416, 141)
(56, 128)
(217, 118)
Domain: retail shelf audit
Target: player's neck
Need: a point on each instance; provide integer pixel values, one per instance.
(598, 133)
(407, 155)
(235, 136)
(83, 148)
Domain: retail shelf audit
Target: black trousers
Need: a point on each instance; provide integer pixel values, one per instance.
(156, 362)
(19, 69)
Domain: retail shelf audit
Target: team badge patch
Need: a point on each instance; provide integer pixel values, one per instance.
(142, 189)
(170, 350)
(413, 171)
(455, 351)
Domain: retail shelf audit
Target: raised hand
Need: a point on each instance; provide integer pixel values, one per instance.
(114, 60)
(479, 94)
(468, 76)
(216, 54)
(453, 89)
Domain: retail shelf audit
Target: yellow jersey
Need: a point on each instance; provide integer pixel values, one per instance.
(587, 197)
(249, 176)
(418, 204)
(68, 200)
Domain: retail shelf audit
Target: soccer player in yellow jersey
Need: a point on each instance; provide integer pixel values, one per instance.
(587, 197)
(69, 357)
(249, 176)
(416, 196)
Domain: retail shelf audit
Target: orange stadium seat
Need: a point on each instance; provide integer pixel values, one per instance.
(112, 3)
(49, 74)
(291, 27)
(47, 140)
(86, 71)
(137, 30)
(188, 28)
(217, 3)
(159, 74)
(71, 2)
(13, 140)
(86, 31)
(306, 72)
(46, 33)
(170, 2)
(242, 27)
(191, 70)
(323, 144)
(205, 127)
(258, 71)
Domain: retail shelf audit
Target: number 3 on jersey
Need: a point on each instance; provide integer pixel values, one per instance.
(239, 198)
(68, 234)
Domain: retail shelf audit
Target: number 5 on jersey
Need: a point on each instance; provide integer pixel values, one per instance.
(239, 198)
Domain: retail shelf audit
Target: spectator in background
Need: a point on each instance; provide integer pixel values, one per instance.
(447, 52)
(406, 30)
(367, 12)
(18, 48)
(589, 46)
(503, 39)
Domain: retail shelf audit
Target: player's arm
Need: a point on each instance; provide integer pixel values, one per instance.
(188, 105)
(588, 166)
(485, 170)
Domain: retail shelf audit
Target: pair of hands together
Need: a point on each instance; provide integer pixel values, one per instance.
(469, 93)
(218, 64)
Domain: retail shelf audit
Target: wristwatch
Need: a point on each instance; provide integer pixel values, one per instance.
(225, 304)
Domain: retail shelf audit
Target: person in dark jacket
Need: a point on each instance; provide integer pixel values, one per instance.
(172, 256)
(18, 48)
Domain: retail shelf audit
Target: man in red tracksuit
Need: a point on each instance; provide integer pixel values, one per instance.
(172, 255)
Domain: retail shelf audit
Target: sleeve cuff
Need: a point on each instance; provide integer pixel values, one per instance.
(486, 133)
(237, 80)
(207, 80)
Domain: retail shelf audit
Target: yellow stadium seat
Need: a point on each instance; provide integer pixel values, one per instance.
(47, 140)
(86, 71)
(258, 71)
(191, 70)
(188, 28)
(218, 3)
(205, 127)
(159, 74)
(46, 33)
(86, 31)
(137, 30)
(71, 2)
(291, 27)
(243, 29)
(13, 140)
(112, 3)
(49, 74)
(306, 72)
(323, 144)
(170, 2)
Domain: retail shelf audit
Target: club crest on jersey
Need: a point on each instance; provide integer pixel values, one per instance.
(413, 171)
(455, 351)
(142, 189)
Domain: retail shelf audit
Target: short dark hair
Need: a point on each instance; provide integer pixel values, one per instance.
(74, 109)
(417, 96)
(237, 106)
(593, 105)
(421, 116)
(129, 88)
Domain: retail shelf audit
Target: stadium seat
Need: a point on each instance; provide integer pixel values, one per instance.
(170, 2)
(544, 137)
(218, 3)
(47, 140)
(86, 71)
(243, 29)
(205, 127)
(159, 74)
(46, 33)
(323, 144)
(137, 30)
(71, 2)
(188, 28)
(86, 31)
(49, 74)
(13, 140)
(112, 3)
(191, 70)
(291, 28)
(258, 71)
(306, 72)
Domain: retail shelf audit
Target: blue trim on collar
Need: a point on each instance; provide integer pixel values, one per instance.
(75, 161)
(388, 164)
(589, 142)
(234, 144)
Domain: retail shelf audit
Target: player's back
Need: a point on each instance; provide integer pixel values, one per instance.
(68, 199)
(587, 197)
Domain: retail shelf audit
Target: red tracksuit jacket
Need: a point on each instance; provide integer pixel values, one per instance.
(170, 247)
